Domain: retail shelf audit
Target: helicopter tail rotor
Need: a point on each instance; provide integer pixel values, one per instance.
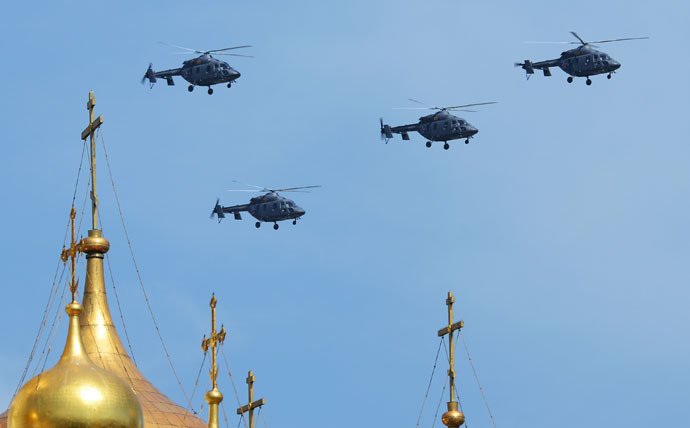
(150, 74)
(386, 133)
(218, 211)
(527, 66)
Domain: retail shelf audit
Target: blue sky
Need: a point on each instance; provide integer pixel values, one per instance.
(562, 228)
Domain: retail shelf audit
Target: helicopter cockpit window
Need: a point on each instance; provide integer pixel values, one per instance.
(275, 206)
(208, 67)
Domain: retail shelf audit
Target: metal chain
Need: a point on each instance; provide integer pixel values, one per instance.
(136, 268)
(261, 412)
(196, 384)
(53, 289)
(438, 352)
(225, 415)
(119, 308)
(439, 405)
(50, 339)
(477, 379)
(237, 396)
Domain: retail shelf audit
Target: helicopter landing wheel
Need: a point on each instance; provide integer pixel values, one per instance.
(210, 91)
(446, 146)
(275, 226)
(190, 88)
(294, 221)
(428, 143)
(257, 224)
(570, 79)
(467, 141)
(229, 84)
(589, 81)
(608, 76)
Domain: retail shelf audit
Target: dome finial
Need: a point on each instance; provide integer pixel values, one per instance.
(251, 404)
(213, 397)
(90, 132)
(75, 392)
(452, 418)
(71, 253)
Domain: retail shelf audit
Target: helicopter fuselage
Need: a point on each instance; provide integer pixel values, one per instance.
(206, 71)
(582, 61)
(439, 126)
(201, 71)
(270, 207)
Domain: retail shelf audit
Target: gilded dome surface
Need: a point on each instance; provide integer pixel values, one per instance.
(104, 347)
(75, 393)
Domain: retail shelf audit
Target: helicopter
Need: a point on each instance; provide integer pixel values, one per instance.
(438, 126)
(270, 207)
(582, 61)
(204, 70)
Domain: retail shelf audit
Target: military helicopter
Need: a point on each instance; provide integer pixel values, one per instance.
(582, 61)
(438, 126)
(204, 70)
(270, 207)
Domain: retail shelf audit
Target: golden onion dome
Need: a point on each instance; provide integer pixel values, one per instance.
(75, 393)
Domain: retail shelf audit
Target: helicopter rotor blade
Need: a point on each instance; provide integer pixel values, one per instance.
(295, 189)
(419, 102)
(470, 105)
(461, 109)
(227, 49)
(551, 43)
(229, 54)
(578, 37)
(181, 47)
(214, 208)
(619, 40)
(261, 188)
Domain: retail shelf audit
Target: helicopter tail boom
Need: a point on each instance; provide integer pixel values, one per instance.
(152, 75)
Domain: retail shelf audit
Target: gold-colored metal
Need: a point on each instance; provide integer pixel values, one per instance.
(452, 418)
(71, 253)
(213, 397)
(75, 392)
(251, 404)
(105, 348)
(101, 341)
(90, 131)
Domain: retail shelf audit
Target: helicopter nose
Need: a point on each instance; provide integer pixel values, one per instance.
(472, 130)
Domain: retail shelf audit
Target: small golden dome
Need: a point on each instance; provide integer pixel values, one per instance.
(453, 418)
(95, 243)
(75, 393)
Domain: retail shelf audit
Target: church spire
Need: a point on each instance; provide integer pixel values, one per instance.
(213, 397)
(100, 339)
(452, 418)
(90, 132)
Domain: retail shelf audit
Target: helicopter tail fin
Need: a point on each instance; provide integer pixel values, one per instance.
(218, 211)
(527, 66)
(386, 133)
(151, 75)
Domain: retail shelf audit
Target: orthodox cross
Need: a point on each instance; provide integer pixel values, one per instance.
(449, 329)
(213, 341)
(90, 131)
(71, 253)
(213, 397)
(252, 404)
